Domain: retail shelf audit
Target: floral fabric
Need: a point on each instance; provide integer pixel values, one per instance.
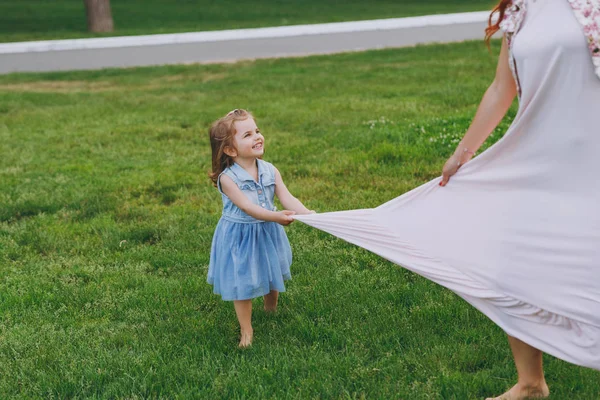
(587, 13)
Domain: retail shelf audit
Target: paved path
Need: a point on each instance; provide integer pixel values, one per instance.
(234, 45)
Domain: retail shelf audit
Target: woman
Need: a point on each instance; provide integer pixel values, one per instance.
(516, 232)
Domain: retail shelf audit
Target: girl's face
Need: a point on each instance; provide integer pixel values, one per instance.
(248, 141)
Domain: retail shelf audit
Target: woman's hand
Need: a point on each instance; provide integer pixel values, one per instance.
(450, 168)
(284, 217)
(460, 157)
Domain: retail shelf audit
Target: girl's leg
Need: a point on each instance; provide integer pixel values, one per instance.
(531, 382)
(243, 309)
(271, 301)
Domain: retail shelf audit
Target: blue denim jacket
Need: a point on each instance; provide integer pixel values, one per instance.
(261, 193)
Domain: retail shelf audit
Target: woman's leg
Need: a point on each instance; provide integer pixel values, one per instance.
(271, 301)
(531, 383)
(243, 310)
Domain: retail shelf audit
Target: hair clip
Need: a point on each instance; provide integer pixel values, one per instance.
(232, 112)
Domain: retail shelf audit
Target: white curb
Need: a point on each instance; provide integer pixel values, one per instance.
(244, 34)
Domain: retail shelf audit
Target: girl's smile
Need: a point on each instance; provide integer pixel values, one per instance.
(257, 146)
(248, 141)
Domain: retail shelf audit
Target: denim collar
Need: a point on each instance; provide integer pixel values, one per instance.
(244, 176)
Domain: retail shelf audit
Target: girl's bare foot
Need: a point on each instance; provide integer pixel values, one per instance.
(524, 392)
(271, 301)
(246, 339)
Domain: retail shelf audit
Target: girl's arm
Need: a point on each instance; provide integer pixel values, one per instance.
(494, 105)
(288, 201)
(238, 198)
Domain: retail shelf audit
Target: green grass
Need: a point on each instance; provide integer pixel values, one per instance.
(22, 20)
(107, 217)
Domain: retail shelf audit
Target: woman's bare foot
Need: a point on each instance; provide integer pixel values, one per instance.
(523, 392)
(246, 339)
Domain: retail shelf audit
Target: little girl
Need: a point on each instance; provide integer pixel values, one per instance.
(250, 254)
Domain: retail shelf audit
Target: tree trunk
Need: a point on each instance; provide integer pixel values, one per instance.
(99, 17)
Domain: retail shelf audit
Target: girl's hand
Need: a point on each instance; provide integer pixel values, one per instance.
(285, 217)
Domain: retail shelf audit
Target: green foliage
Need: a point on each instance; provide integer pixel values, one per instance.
(107, 216)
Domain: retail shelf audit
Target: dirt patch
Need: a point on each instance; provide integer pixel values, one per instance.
(59, 86)
(108, 86)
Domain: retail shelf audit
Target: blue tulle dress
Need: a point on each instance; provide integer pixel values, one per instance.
(249, 257)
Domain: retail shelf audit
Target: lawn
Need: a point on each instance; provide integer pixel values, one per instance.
(107, 216)
(22, 20)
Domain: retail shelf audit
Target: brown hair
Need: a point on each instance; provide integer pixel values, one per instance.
(493, 28)
(221, 134)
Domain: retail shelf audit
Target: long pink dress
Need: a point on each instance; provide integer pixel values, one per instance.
(516, 232)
